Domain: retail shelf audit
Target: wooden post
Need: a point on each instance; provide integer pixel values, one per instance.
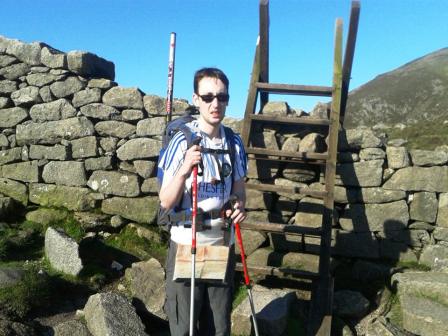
(348, 56)
(264, 49)
(321, 310)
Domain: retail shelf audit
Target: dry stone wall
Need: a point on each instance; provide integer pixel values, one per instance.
(390, 203)
(71, 137)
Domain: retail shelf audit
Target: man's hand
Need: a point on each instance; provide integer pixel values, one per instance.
(237, 212)
(191, 159)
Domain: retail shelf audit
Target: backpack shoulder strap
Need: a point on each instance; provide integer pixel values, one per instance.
(230, 137)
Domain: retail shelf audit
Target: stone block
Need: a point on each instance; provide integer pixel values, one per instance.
(22, 171)
(72, 198)
(69, 173)
(141, 209)
(88, 65)
(114, 183)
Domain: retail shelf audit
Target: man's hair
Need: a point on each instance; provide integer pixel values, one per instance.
(209, 72)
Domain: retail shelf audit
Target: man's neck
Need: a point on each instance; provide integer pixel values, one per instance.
(211, 130)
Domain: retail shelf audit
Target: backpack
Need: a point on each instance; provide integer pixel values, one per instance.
(172, 128)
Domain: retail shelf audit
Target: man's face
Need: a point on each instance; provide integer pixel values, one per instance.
(212, 100)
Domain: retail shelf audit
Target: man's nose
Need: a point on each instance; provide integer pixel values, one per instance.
(215, 101)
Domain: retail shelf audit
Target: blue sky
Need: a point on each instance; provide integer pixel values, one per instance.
(134, 34)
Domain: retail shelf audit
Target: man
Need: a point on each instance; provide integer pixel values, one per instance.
(218, 179)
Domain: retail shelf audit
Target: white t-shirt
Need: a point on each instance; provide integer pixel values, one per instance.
(212, 193)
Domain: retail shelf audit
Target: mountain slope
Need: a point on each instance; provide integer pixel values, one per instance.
(413, 92)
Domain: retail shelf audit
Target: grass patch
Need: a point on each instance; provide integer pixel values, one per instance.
(70, 226)
(32, 292)
(239, 296)
(395, 314)
(130, 242)
(427, 134)
(20, 244)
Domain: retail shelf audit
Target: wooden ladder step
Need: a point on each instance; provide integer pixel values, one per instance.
(290, 120)
(304, 90)
(305, 156)
(287, 189)
(281, 272)
(281, 228)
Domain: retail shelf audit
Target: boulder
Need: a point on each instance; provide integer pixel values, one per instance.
(271, 309)
(71, 328)
(147, 284)
(113, 315)
(62, 252)
(424, 302)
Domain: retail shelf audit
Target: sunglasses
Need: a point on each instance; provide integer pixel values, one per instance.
(208, 98)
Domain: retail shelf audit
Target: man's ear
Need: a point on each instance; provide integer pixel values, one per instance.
(195, 99)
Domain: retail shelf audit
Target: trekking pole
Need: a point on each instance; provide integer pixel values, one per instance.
(246, 276)
(194, 206)
(169, 93)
